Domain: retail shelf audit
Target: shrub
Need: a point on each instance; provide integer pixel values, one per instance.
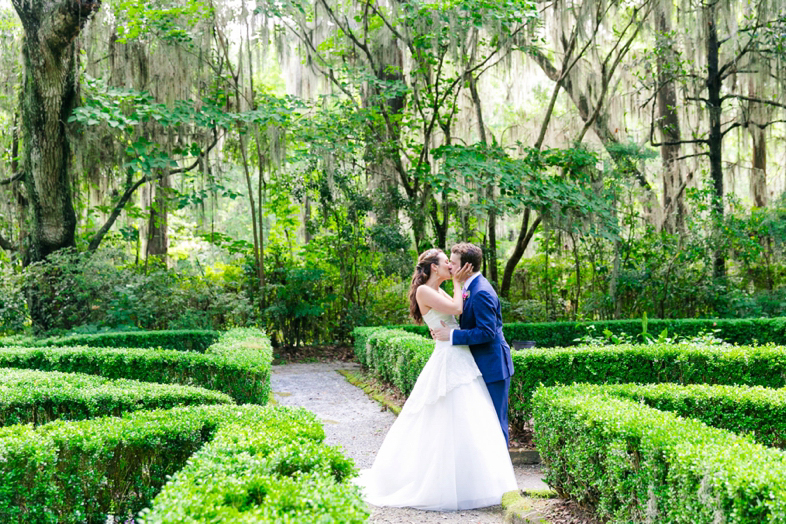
(82, 471)
(394, 356)
(38, 397)
(106, 289)
(261, 474)
(13, 310)
(633, 463)
(643, 364)
(238, 364)
(182, 340)
(754, 410)
(566, 334)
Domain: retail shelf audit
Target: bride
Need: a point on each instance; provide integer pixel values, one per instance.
(445, 450)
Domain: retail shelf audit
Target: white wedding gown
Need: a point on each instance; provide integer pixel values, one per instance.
(445, 450)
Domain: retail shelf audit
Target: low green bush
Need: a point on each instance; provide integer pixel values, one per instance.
(181, 340)
(754, 410)
(633, 463)
(38, 397)
(393, 356)
(643, 364)
(238, 364)
(565, 334)
(260, 473)
(258, 463)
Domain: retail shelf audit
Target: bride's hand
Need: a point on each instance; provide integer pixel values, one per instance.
(462, 274)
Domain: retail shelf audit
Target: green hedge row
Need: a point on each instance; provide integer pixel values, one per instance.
(181, 340)
(633, 463)
(38, 397)
(397, 358)
(263, 473)
(238, 364)
(259, 463)
(642, 364)
(564, 334)
(754, 410)
(393, 356)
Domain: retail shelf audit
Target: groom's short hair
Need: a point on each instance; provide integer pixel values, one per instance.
(470, 253)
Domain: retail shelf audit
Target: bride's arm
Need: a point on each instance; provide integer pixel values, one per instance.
(433, 299)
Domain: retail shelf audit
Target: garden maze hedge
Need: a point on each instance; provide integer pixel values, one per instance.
(663, 432)
(91, 432)
(564, 334)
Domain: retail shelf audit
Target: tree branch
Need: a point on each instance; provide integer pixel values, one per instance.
(131, 189)
(12, 179)
(754, 100)
(692, 155)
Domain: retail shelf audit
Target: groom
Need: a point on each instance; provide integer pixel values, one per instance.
(481, 330)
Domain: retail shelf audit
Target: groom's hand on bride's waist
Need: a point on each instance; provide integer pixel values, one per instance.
(442, 333)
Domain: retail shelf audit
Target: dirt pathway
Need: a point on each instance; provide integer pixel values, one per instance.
(359, 425)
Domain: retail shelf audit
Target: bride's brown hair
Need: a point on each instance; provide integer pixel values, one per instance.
(419, 277)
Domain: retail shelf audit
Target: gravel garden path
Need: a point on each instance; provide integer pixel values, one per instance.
(358, 424)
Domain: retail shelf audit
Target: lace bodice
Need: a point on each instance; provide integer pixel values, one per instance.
(435, 318)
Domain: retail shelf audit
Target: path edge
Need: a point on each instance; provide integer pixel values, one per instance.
(369, 390)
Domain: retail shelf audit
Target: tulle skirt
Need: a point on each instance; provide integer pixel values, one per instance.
(445, 450)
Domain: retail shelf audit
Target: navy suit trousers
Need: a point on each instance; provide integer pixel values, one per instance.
(499, 396)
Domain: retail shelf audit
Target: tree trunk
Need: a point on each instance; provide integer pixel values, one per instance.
(715, 140)
(157, 228)
(525, 236)
(669, 124)
(48, 96)
(492, 222)
(758, 179)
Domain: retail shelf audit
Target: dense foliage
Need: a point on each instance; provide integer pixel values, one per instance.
(634, 463)
(238, 364)
(273, 469)
(117, 465)
(38, 397)
(398, 357)
(281, 166)
(85, 448)
(753, 410)
(564, 334)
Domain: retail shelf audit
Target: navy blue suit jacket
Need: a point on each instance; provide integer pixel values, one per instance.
(481, 330)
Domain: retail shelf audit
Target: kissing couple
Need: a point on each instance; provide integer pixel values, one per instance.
(448, 448)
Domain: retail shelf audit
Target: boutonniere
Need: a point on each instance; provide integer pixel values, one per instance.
(465, 295)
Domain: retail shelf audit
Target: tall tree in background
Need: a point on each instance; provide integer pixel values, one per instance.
(445, 46)
(48, 97)
(668, 119)
(732, 48)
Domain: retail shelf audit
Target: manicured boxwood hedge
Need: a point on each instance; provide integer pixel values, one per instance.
(237, 364)
(395, 357)
(258, 462)
(181, 340)
(633, 463)
(38, 397)
(564, 334)
(753, 410)
(643, 364)
(277, 471)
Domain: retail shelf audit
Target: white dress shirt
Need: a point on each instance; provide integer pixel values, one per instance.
(466, 284)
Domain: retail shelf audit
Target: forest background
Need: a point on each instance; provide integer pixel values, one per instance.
(206, 164)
